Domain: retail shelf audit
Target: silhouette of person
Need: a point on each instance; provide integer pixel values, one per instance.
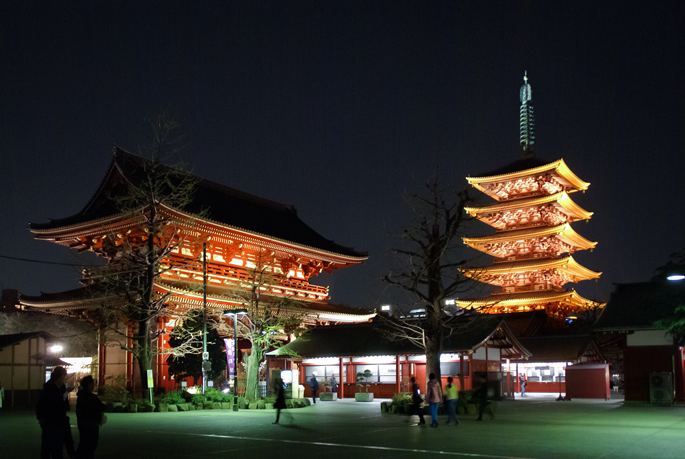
(51, 412)
(280, 398)
(314, 387)
(416, 401)
(89, 411)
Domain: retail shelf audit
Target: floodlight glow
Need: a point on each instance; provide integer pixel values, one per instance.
(226, 391)
(55, 349)
(235, 312)
(676, 277)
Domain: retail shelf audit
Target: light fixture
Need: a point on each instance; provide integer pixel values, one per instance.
(55, 349)
(676, 277)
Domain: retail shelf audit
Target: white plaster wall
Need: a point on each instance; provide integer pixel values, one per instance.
(649, 338)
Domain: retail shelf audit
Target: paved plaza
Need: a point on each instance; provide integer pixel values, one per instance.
(531, 428)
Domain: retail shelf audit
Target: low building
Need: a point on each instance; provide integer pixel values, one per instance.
(653, 363)
(24, 360)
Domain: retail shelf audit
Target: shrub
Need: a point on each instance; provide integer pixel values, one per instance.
(400, 398)
(173, 398)
(142, 402)
(197, 399)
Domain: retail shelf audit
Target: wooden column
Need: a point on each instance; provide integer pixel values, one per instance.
(397, 374)
(342, 381)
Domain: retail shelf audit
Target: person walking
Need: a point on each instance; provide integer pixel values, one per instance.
(433, 397)
(314, 387)
(452, 395)
(280, 398)
(51, 412)
(416, 401)
(89, 412)
(2, 394)
(523, 383)
(481, 397)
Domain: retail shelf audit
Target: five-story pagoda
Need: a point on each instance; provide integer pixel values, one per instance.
(534, 241)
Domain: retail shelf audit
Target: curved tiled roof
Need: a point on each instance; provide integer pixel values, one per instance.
(214, 201)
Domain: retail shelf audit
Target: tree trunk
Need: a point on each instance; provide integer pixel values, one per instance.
(144, 354)
(252, 377)
(433, 351)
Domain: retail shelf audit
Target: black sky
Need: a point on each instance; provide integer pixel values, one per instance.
(335, 106)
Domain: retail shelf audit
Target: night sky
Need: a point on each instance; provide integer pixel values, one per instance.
(339, 107)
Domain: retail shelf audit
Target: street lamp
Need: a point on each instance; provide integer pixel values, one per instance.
(676, 277)
(235, 313)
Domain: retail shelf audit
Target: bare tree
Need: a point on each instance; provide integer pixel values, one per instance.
(270, 318)
(141, 256)
(429, 262)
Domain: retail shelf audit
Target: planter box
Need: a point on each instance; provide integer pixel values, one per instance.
(182, 407)
(131, 408)
(269, 406)
(328, 396)
(252, 406)
(392, 409)
(235, 407)
(191, 407)
(363, 397)
(261, 404)
(216, 405)
(226, 405)
(173, 408)
(207, 405)
(148, 408)
(384, 407)
(118, 407)
(198, 407)
(242, 404)
(162, 407)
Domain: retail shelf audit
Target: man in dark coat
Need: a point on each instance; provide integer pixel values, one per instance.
(51, 412)
(314, 387)
(89, 411)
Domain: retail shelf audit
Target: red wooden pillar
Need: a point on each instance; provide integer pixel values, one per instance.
(342, 381)
(397, 374)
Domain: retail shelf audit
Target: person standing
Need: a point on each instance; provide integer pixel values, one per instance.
(433, 397)
(523, 383)
(452, 395)
(314, 387)
(51, 412)
(416, 401)
(89, 410)
(333, 384)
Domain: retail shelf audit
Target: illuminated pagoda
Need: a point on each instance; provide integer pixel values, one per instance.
(237, 228)
(534, 242)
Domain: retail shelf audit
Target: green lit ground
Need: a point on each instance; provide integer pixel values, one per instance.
(536, 427)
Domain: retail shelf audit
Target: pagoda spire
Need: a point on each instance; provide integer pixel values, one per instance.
(526, 119)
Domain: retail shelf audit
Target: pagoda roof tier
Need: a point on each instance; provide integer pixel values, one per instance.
(564, 233)
(80, 301)
(218, 204)
(528, 167)
(568, 265)
(561, 201)
(565, 302)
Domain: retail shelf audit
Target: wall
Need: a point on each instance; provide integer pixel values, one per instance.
(588, 381)
(640, 361)
(23, 385)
